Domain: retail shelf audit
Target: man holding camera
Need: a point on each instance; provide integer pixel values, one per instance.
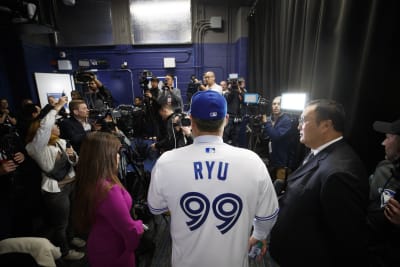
(151, 106)
(178, 133)
(278, 128)
(234, 97)
(384, 207)
(98, 96)
(11, 197)
(6, 117)
(170, 95)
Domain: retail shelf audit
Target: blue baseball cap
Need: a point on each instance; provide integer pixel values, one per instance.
(208, 105)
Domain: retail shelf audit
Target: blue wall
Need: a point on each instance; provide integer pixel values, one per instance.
(222, 58)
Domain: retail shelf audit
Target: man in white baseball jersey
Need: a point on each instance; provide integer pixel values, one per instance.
(215, 193)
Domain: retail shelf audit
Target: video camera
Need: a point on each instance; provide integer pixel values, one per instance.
(193, 85)
(143, 79)
(97, 115)
(233, 81)
(9, 143)
(183, 120)
(84, 77)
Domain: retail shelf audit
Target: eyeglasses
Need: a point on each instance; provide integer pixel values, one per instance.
(302, 119)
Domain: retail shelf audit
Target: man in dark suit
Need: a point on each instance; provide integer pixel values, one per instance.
(322, 219)
(75, 127)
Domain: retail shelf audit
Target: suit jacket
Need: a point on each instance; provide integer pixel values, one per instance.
(71, 129)
(322, 218)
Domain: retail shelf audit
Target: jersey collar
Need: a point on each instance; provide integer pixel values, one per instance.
(208, 139)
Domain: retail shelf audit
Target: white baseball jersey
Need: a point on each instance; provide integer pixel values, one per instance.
(214, 191)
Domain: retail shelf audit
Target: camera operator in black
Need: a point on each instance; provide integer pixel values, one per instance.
(152, 107)
(384, 207)
(19, 192)
(176, 135)
(234, 98)
(98, 96)
(193, 87)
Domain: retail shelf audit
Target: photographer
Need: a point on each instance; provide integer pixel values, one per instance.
(56, 159)
(193, 87)
(177, 135)
(384, 208)
(98, 96)
(6, 117)
(170, 95)
(234, 98)
(11, 192)
(150, 99)
(278, 128)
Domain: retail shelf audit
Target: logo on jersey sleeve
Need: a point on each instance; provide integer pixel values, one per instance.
(226, 208)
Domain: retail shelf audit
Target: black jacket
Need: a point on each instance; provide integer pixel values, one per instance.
(322, 218)
(71, 129)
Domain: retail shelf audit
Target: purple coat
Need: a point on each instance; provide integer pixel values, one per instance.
(114, 235)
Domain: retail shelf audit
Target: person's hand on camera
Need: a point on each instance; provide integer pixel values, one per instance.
(7, 167)
(19, 157)
(186, 130)
(392, 211)
(98, 83)
(148, 94)
(153, 146)
(264, 118)
(71, 153)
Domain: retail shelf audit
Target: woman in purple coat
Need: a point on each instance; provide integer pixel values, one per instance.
(102, 205)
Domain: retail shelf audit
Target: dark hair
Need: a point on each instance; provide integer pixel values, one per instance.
(208, 125)
(326, 109)
(45, 111)
(27, 110)
(154, 78)
(170, 75)
(167, 106)
(74, 104)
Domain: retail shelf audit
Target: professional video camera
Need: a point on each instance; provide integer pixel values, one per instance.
(131, 121)
(143, 79)
(183, 120)
(9, 142)
(193, 85)
(84, 77)
(233, 81)
(99, 114)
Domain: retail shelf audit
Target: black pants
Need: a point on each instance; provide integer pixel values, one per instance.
(58, 216)
(231, 132)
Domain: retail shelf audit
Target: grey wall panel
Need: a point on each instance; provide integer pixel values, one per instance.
(88, 23)
(161, 21)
